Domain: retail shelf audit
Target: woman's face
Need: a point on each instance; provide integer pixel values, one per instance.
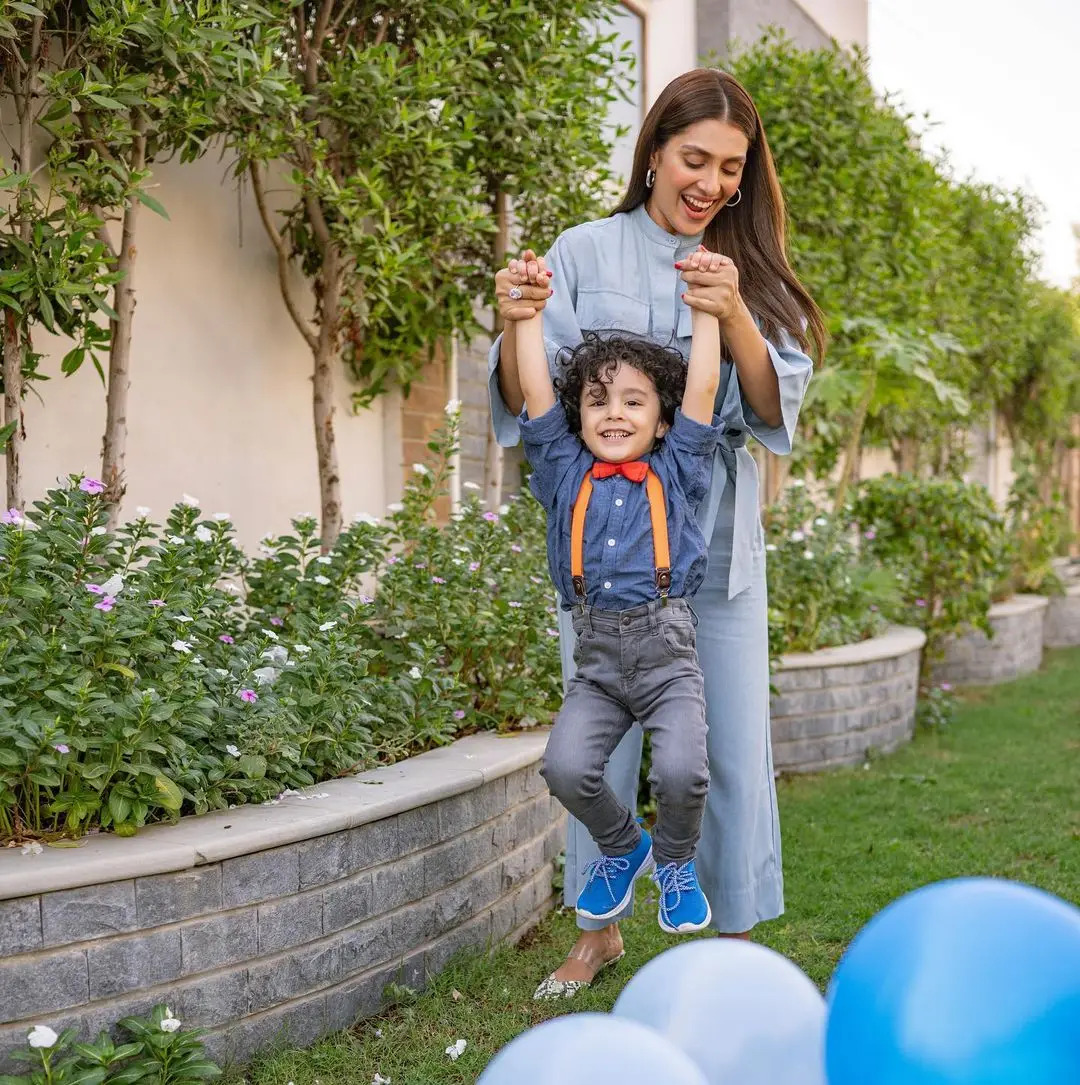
(697, 172)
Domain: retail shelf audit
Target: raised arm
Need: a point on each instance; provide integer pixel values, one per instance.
(532, 279)
(703, 369)
(533, 374)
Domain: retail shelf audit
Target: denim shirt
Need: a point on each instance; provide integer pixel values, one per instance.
(618, 548)
(619, 272)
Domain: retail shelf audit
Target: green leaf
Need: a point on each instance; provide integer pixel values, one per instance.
(168, 794)
(253, 766)
(146, 198)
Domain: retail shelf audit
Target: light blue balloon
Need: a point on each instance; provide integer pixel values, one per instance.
(591, 1049)
(974, 981)
(744, 1014)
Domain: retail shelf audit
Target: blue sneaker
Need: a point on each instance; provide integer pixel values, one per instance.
(610, 881)
(683, 907)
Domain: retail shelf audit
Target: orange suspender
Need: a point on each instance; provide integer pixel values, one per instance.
(654, 490)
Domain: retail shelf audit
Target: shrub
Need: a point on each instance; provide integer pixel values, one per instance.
(946, 542)
(1039, 531)
(821, 593)
(160, 671)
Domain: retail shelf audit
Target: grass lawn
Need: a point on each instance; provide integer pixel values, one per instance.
(998, 793)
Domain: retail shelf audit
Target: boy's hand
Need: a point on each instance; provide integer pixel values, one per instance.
(530, 282)
(713, 282)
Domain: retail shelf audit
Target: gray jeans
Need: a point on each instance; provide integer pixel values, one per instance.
(641, 665)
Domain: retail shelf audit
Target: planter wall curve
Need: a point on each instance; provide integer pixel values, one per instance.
(1061, 628)
(1015, 649)
(836, 704)
(283, 922)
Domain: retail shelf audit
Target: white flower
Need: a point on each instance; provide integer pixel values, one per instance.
(435, 107)
(365, 518)
(168, 1022)
(798, 483)
(326, 626)
(471, 485)
(821, 521)
(204, 534)
(187, 499)
(276, 655)
(415, 674)
(324, 560)
(232, 589)
(176, 540)
(34, 848)
(770, 547)
(114, 585)
(323, 580)
(98, 530)
(223, 517)
(182, 618)
(395, 506)
(41, 1036)
(453, 406)
(232, 751)
(182, 646)
(223, 673)
(797, 536)
(504, 509)
(456, 1050)
(378, 1079)
(420, 469)
(808, 554)
(265, 675)
(303, 649)
(270, 634)
(142, 510)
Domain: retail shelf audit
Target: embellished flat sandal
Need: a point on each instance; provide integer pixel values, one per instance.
(552, 989)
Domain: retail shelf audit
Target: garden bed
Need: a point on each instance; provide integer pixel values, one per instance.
(1014, 650)
(834, 705)
(285, 920)
(1061, 628)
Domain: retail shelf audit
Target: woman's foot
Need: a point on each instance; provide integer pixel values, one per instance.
(592, 952)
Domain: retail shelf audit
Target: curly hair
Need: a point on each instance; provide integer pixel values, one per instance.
(598, 356)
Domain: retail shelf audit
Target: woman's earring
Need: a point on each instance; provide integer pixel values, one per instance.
(737, 200)
(650, 177)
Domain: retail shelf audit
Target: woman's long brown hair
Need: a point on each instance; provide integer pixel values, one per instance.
(752, 232)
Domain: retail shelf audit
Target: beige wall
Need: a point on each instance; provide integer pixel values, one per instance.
(220, 402)
(670, 42)
(845, 20)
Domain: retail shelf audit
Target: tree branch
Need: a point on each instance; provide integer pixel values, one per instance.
(322, 22)
(282, 257)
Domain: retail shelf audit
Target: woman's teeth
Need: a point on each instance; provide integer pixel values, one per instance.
(698, 207)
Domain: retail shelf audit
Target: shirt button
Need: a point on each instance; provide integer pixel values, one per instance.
(611, 542)
(618, 502)
(607, 585)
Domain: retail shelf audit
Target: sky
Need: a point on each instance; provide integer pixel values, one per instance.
(1001, 79)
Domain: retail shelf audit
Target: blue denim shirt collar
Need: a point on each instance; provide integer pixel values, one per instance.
(680, 244)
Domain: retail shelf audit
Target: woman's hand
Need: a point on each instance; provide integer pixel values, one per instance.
(531, 282)
(713, 284)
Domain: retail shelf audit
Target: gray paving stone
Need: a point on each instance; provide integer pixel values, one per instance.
(397, 883)
(123, 965)
(373, 943)
(263, 875)
(43, 983)
(169, 898)
(520, 865)
(346, 903)
(459, 814)
(476, 934)
(213, 999)
(293, 1025)
(290, 922)
(415, 924)
(445, 864)
(218, 940)
(91, 911)
(417, 829)
(290, 975)
(20, 926)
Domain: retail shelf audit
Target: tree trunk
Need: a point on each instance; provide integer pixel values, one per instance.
(854, 445)
(328, 288)
(114, 445)
(494, 460)
(13, 384)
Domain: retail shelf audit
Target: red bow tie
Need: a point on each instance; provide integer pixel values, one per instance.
(635, 470)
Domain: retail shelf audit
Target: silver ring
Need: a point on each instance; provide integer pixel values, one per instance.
(514, 293)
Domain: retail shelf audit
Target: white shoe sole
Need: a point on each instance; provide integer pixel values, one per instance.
(648, 865)
(687, 928)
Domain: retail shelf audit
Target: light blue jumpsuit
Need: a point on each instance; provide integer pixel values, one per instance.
(619, 272)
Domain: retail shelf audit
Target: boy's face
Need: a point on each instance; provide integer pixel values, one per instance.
(621, 421)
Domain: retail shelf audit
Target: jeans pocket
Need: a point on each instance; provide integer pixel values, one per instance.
(680, 638)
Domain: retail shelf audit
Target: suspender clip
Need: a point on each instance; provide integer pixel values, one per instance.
(579, 586)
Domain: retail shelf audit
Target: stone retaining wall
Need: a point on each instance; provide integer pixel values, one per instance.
(1014, 650)
(836, 704)
(1061, 628)
(447, 850)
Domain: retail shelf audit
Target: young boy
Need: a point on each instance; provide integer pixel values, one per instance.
(620, 470)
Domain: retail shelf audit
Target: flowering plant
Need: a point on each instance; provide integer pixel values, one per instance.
(156, 671)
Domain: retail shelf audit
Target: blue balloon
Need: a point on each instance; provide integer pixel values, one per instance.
(592, 1048)
(974, 981)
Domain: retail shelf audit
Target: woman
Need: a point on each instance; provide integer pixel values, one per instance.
(703, 179)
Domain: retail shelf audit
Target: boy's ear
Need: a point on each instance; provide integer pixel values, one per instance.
(661, 429)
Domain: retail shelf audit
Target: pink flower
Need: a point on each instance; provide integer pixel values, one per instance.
(920, 602)
(551, 632)
(459, 714)
(946, 687)
(420, 565)
(61, 748)
(95, 589)
(516, 548)
(226, 639)
(248, 696)
(277, 621)
(366, 600)
(490, 516)
(871, 534)
(12, 516)
(513, 603)
(91, 486)
(156, 603)
(106, 604)
(438, 580)
(473, 566)
(393, 559)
